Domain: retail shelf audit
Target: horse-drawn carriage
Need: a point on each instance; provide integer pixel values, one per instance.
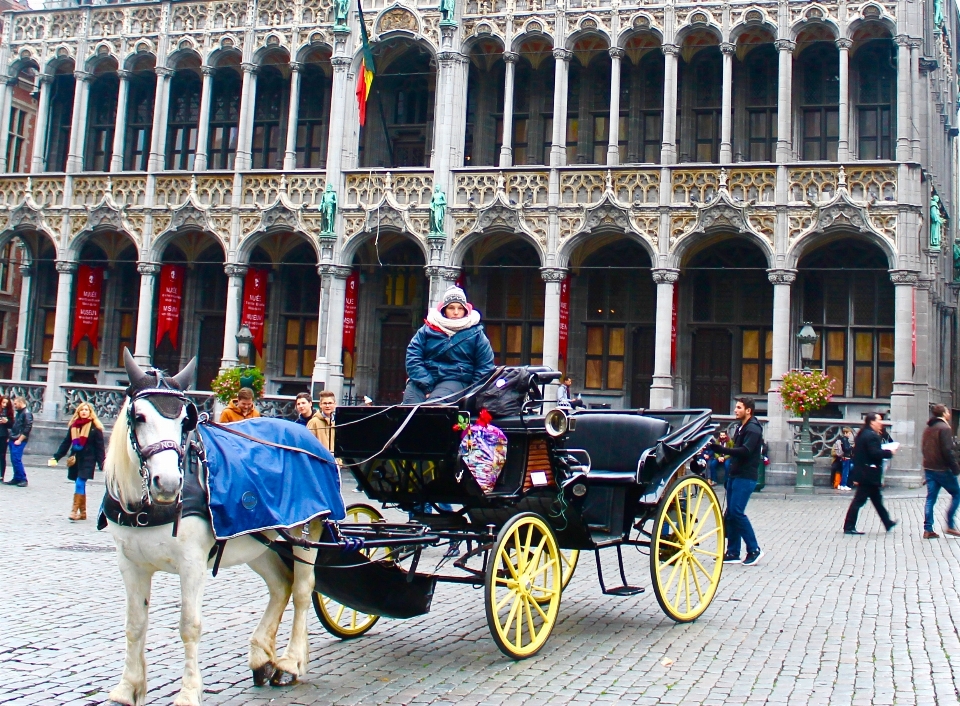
(571, 482)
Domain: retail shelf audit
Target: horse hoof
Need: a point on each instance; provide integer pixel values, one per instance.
(282, 678)
(261, 675)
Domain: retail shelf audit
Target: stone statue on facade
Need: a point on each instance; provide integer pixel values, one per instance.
(340, 10)
(447, 8)
(956, 260)
(937, 13)
(438, 210)
(937, 221)
(328, 210)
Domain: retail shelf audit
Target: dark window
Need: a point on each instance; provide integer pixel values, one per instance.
(700, 95)
(16, 140)
(313, 117)
(533, 111)
(61, 114)
(139, 120)
(760, 66)
(641, 108)
(877, 83)
(224, 118)
(101, 121)
(484, 108)
(819, 101)
(183, 120)
(272, 91)
(301, 306)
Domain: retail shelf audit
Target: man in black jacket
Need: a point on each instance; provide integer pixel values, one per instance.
(19, 434)
(745, 459)
(940, 470)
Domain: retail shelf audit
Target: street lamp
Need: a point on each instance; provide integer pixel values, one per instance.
(804, 485)
(244, 339)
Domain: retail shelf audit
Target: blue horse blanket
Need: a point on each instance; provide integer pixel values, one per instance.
(255, 486)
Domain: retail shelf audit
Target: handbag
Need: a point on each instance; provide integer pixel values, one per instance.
(71, 460)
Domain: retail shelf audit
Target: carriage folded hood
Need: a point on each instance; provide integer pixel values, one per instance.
(255, 486)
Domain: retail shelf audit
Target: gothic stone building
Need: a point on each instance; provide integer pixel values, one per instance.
(651, 195)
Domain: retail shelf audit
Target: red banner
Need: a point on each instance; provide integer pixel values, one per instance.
(461, 280)
(86, 309)
(673, 329)
(168, 309)
(564, 322)
(350, 298)
(255, 305)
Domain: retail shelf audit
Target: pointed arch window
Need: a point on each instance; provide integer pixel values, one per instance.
(102, 119)
(139, 120)
(183, 120)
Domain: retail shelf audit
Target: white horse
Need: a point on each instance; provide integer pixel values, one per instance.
(144, 472)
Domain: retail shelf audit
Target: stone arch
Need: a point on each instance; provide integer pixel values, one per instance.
(102, 57)
(225, 56)
(138, 60)
(356, 243)
(23, 63)
(61, 64)
(699, 34)
(169, 237)
(695, 242)
(313, 50)
(815, 24)
(806, 244)
(184, 59)
(589, 30)
(96, 235)
(749, 34)
(258, 238)
(464, 245)
(640, 36)
(569, 248)
(536, 37)
(871, 26)
(483, 44)
(33, 240)
(271, 54)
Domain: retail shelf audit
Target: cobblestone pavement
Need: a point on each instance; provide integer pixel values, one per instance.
(824, 619)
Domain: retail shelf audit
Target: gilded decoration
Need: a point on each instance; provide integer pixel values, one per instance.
(397, 18)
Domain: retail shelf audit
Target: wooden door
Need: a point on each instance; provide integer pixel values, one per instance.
(395, 335)
(644, 343)
(210, 350)
(711, 370)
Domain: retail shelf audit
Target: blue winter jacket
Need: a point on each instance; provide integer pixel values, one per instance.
(433, 357)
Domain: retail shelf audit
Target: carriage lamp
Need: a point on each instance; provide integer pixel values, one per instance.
(244, 339)
(808, 339)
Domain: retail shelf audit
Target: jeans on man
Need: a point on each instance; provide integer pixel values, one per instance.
(16, 459)
(845, 476)
(935, 481)
(446, 392)
(737, 524)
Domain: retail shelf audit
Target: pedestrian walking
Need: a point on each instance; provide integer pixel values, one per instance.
(304, 405)
(940, 470)
(842, 459)
(742, 475)
(867, 473)
(19, 435)
(84, 448)
(6, 421)
(240, 408)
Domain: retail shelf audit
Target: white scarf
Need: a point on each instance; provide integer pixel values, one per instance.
(452, 326)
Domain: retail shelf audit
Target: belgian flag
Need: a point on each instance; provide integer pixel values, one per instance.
(366, 73)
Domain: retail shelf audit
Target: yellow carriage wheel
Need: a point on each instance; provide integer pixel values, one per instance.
(686, 553)
(338, 619)
(568, 560)
(523, 586)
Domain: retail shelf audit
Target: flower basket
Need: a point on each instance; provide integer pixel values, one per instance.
(228, 383)
(806, 391)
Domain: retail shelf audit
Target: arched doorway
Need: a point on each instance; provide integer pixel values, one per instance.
(728, 302)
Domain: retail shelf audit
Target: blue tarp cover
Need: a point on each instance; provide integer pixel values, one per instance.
(255, 487)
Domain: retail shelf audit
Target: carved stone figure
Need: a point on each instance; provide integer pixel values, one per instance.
(328, 210)
(937, 222)
(341, 9)
(956, 260)
(447, 8)
(438, 210)
(937, 13)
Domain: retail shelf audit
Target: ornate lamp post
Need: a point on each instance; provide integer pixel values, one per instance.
(244, 341)
(807, 339)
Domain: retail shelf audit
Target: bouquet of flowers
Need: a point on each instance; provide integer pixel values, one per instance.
(805, 391)
(228, 383)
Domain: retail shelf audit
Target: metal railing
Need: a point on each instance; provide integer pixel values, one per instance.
(33, 392)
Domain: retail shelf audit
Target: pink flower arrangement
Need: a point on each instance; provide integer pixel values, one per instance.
(805, 391)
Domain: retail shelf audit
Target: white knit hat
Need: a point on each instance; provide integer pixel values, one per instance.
(454, 295)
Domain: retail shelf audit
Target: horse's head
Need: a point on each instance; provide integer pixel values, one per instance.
(146, 452)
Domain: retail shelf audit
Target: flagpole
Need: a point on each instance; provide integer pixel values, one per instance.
(386, 135)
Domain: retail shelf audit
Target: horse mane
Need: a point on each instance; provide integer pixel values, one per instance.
(121, 468)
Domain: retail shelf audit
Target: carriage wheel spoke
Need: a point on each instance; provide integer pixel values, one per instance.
(682, 531)
(679, 594)
(698, 538)
(535, 574)
(509, 564)
(340, 613)
(696, 515)
(508, 623)
(696, 562)
(519, 551)
(676, 530)
(530, 626)
(696, 581)
(669, 561)
(673, 573)
(670, 544)
(686, 583)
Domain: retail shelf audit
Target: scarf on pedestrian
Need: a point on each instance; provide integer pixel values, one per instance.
(437, 321)
(79, 433)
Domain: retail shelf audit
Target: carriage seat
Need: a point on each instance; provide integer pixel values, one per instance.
(615, 443)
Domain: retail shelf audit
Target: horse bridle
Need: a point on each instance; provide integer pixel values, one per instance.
(144, 453)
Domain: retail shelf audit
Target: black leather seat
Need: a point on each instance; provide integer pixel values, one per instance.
(615, 443)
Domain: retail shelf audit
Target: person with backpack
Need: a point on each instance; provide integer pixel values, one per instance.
(843, 459)
(449, 353)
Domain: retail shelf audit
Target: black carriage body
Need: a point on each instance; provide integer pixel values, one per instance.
(591, 484)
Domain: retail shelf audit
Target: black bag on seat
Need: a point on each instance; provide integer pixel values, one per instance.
(505, 394)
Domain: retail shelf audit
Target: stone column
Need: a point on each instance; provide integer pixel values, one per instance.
(843, 144)
(558, 152)
(506, 148)
(248, 102)
(338, 277)
(231, 323)
(78, 123)
(57, 366)
(901, 401)
(668, 149)
(293, 116)
(145, 310)
(613, 144)
(120, 126)
(661, 391)
(441, 278)
(916, 87)
(21, 356)
(778, 430)
(784, 99)
(39, 157)
(203, 125)
(904, 91)
(726, 105)
(338, 117)
(553, 277)
(6, 103)
(161, 108)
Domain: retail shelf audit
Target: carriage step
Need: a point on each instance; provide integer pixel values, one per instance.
(624, 591)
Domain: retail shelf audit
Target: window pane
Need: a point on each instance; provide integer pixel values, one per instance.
(595, 341)
(309, 356)
(494, 335)
(835, 345)
(616, 341)
(884, 380)
(514, 339)
(593, 374)
(768, 345)
(885, 345)
(863, 347)
(615, 375)
(536, 342)
(293, 331)
(749, 376)
(751, 344)
(836, 372)
(863, 381)
(290, 361)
